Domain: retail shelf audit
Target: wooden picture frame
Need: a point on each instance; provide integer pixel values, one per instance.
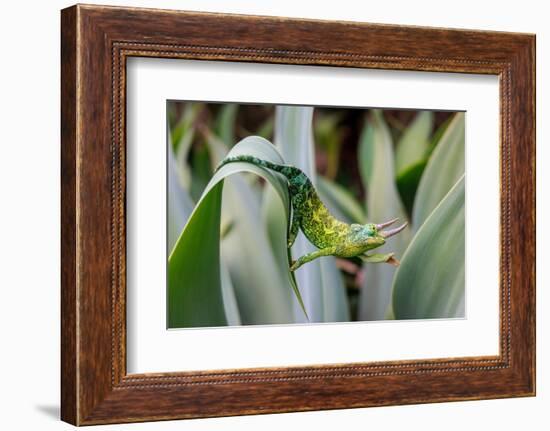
(96, 41)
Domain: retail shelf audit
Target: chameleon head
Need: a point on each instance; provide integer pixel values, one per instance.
(366, 236)
(373, 235)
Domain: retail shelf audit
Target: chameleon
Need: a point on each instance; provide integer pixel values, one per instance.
(331, 236)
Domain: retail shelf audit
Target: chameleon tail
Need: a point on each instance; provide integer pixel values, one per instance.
(288, 171)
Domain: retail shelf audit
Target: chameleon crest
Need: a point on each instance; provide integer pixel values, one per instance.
(331, 236)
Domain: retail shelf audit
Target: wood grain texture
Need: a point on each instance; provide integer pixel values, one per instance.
(68, 218)
(96, 41)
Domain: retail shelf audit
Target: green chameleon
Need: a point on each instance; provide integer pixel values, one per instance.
(331, 236)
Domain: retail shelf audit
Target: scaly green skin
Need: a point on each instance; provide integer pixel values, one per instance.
(331, 236)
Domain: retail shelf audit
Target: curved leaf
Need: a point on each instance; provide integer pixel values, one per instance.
(414, 143)
(407, 183)
(383, 203)
(254, 265)
(430, 282)
(262, 287)
(320, 281)
(194, 279)
(194, 284)
(277, 231)
(436, 137)
(444, 168)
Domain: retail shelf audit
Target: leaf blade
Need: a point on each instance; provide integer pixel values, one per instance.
(413, 144)
(444, 168)
(319, 281)
(195, 289)
(188, 306)
(430, 281)
(377, 167)
(340, 201)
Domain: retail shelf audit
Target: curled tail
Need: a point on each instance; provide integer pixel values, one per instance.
(289, 172)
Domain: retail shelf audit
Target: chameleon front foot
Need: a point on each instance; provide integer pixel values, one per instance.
(311, 256)
(380, 258)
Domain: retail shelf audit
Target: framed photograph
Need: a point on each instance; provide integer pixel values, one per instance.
(264, 214)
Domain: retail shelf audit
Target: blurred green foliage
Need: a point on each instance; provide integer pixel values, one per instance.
(230, 263)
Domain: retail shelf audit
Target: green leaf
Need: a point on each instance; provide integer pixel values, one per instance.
(407, 183)
(294, 137)
(248, 252)
(201, 171)
(263, 287)
(335, 301)
(181, 156)
(320, 281)
(194, 278)
(180, 204)
(225, 123)
(377, 168)
(329, 137)
(444, 168)
(229, 298)
(430, 282)
(439, 133)
(217, 148)
(414, 143)
(266, 129)
(366, 152)
(277, 227)
(340, 201)
(182, 136)
(194, 284)
(185, 123)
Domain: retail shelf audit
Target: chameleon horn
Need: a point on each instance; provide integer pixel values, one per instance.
(386, 224)
(392, 232)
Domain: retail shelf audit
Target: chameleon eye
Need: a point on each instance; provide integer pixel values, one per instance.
(371, 229)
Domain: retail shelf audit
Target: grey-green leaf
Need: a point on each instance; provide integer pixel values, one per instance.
(194, 279)
(180, 204)
(444, 168)
(320, 281)
(248, 250)
(194, 285)
(181, 138)
(229, 297)
(341, 203)
(377, 167)
(413, 144)
(430, 282)
(225, 123)
(263, 291)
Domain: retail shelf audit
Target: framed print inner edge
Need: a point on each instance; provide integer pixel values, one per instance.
(151, 348)
(95, 386)
(121, 52)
